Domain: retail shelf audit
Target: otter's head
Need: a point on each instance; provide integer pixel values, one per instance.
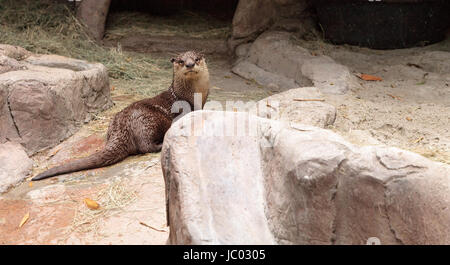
(189, 65)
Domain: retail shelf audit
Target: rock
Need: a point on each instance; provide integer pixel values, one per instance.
(251, 17)
(15, 165)
(8, 130)
(262, 77)
(288, 183)
(420, 196)
(276, 52)
(290, 25)
(291, 9)
(243, 50)
(14, 52)
(283, 106)
(93, 14)
(201, 213)
(329, 76)
(61, 93)
(9, 64)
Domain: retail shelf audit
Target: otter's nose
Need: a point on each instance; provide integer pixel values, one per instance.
(189, 64)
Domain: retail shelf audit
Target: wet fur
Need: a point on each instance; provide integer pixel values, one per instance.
(140, 127)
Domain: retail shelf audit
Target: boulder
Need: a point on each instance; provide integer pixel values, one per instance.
(278, 182)
(48, 98)
(252, 16)
(93, 14)
(276, 52)
(329, 76)
(243, 50)
(9, 64)
(8, 129)
(15, 165)
(252, 72)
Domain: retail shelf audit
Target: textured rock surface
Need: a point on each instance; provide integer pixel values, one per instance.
(276, 53)
(329, 76)
(93, 14)
(293, 106)
(14, 165)
(288, 183)
(252, 72)
(246, 21)
(254, 16)
(48, 97)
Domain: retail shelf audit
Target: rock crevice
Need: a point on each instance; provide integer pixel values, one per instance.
(12, 116)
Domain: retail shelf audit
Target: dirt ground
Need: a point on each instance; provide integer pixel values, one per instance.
(409, 109)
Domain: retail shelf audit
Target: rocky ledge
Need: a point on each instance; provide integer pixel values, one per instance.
(278, 182)
(45, 98)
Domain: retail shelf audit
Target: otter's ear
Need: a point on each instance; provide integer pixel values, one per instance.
(172, 60)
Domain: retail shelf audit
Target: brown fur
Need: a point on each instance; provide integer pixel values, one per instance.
(140, 127)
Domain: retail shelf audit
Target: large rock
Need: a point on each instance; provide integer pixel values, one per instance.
(329, 76)
(269, 182)
(254, 16)
(14, 165)
(276, 52)
(93, 14)
(48, 97)
(252, 72)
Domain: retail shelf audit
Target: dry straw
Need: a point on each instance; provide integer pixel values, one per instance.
(111, 199)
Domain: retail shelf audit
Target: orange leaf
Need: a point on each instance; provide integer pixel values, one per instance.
(24, 219)
(93, 205)
(30, 184)
(370, 77)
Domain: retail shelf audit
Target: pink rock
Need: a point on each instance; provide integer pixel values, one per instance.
(14, 165)
(48, 100)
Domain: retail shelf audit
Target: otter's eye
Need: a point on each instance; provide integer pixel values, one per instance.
(197, 60)
(181, 62)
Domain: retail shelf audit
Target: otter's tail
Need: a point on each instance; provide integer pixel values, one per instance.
(102, 158)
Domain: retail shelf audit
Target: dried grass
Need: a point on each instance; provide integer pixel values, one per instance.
(186, 24)
(111, 199)
(51, 28)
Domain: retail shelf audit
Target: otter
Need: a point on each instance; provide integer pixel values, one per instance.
(140, 127)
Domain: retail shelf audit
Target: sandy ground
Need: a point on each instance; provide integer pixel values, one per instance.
(409, 108)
